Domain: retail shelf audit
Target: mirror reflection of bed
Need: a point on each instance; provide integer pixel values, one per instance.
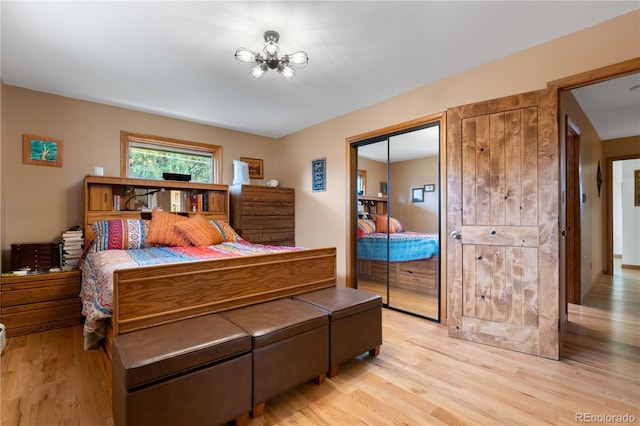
(398, 240)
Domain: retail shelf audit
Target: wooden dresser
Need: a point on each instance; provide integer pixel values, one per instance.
(39, 302)
(263, 214)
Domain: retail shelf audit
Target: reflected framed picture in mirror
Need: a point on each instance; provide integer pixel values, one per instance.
(417, 195)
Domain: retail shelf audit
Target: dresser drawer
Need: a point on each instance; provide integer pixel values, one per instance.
(33, 317)
(267, 194)
(268, 223)
(18, 294)
(267, 209)
(39, 302)
(274, 238)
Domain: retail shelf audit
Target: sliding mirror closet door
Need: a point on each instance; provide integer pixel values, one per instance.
(413, 222)
(399, 259)
(372, 194)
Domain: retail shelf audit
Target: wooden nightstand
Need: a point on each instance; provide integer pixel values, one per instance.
(39, 302)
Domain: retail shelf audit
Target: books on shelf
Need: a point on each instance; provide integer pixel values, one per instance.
(72, 247)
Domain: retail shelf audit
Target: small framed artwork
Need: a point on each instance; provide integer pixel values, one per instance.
(636, 193)
(256, 167)
(430, 187)
(41, 151)
(417, 195)
(318, 175)
(383, 188)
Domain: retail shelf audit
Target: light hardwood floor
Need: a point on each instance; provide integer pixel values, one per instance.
(421, 376)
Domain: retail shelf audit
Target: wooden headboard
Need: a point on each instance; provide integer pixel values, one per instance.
(108, 198)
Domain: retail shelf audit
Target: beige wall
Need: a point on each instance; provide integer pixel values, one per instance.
(592, 209)
(39, 202)
(621, 147)
(406, 175)
(610, 42)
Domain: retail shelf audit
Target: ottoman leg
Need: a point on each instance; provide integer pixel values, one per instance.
(333, 371)
(242, 420)
(319, 380)
(375, 351)
(258, 410)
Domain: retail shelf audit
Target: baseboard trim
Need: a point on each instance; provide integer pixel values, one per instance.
(630, 266)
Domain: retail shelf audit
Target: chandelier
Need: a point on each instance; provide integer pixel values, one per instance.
(261, 64)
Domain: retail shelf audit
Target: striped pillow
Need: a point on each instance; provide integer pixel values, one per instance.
(227, 232)
(120, 234)
(365, 227)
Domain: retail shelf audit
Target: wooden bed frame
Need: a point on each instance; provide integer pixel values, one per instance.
(153, 295)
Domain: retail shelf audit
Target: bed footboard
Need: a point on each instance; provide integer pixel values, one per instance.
(149, 296)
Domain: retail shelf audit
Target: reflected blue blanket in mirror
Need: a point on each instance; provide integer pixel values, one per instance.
(402, 246)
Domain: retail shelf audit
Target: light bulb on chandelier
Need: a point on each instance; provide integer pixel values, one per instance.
(261, 64)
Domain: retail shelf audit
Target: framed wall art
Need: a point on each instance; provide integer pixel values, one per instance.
(383, 188)
(430, 187)
(256, 167)
(417, 195)
(318, 175)
(41, 151)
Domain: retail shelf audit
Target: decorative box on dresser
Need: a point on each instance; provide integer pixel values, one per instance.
(35, 255)
(38, 302)
(264, 214)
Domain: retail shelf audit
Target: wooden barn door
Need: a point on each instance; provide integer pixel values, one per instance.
(502, 220)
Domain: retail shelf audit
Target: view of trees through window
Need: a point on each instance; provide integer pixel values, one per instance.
(149, 163)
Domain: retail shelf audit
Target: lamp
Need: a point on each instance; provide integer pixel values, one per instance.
(126, 203)
(260, 64)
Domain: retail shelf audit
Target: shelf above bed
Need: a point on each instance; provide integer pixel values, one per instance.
(107, 198)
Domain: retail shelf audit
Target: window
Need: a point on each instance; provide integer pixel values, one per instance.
(362, 182)
(148, 157)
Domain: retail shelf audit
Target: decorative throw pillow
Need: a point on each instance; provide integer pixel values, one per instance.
(120, 234)
(161, 229)
(395, 225)
(199, 231)
(227, 232)
(365, 227)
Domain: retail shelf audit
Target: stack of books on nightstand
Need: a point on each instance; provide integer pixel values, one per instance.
(72, 247)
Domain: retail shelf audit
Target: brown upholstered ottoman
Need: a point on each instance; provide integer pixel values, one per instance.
(190, 372)
(290, 346)
(355, 322)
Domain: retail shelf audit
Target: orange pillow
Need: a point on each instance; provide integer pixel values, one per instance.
(394, 225)
(161, 229)
(199, 231)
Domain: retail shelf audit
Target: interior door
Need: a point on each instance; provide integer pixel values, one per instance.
(502, 204)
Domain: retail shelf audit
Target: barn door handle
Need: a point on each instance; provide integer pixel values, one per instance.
(455, 235)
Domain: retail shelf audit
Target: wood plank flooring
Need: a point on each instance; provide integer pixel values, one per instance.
(421, 377)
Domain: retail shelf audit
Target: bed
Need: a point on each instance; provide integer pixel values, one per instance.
(412, 256)
(130, 284)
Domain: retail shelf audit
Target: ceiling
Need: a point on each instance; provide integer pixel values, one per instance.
(177, 58)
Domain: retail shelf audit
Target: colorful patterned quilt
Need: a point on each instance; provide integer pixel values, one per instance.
(398, 247)
(98, 267)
